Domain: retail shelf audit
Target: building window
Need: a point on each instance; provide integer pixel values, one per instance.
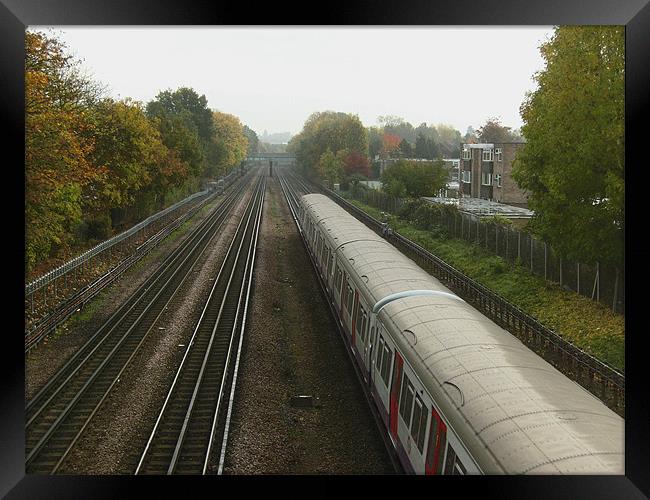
(488, 155)
(498, 152)
(467, 154)
(486, 178)
(497, 178)
(467, 176)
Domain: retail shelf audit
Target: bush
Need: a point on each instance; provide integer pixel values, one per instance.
(96, 228)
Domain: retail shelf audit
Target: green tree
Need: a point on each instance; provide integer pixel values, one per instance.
(253, 140)
(185, 124)
(405, 149)
(414, 178)
(330, 166)
(573, 162)
(375, 144)
(328, 130)
(449, 141)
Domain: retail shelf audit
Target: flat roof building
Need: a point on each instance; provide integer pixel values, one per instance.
(486, 173)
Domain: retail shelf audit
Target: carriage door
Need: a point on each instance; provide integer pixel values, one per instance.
(394, 393)
(436, 444)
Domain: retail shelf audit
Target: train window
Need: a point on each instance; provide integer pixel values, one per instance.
(453, 466)
(350, 298)
(443, 441)
(419, 423)
(383, 359)
(431, 445)
(344, 297)
(329, 262)
(385, 369)
(362, 322)
(338, 279)
(357, 324)
(406, 399)
(379, 354)
(451, 458)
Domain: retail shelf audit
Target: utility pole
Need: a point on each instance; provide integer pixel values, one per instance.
(270, 168)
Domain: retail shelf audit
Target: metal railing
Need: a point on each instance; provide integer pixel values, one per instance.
(63, 269)
(72, 264)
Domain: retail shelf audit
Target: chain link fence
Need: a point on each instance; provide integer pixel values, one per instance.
(600, 282)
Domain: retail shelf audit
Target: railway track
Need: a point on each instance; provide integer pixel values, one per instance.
(60, 412)
(193, 421)
(293, 188)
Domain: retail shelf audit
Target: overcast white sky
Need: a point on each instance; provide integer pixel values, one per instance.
(274, 78)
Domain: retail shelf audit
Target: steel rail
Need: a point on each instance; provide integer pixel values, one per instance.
(290, 191)
(43, 326)
(95, 364)
(231, 398)
(190, 415)
(134, 299)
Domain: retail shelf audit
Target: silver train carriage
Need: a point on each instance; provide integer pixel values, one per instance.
(458, 394)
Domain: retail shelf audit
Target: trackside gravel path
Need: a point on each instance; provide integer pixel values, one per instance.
(292, 348)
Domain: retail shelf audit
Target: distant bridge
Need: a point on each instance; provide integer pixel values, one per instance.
(277, 158)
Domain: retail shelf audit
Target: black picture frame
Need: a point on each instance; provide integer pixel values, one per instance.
(15, 15)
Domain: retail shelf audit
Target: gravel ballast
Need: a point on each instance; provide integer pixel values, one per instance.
(292, 348)
(120, 430)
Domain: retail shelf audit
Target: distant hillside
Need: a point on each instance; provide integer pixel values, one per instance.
(276, 137)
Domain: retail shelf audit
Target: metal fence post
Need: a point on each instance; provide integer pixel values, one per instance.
(578, 269)
(531, 252)
(519, 245)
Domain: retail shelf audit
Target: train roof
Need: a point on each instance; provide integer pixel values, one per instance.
(528, 415)
(382, 267)
(506, 403)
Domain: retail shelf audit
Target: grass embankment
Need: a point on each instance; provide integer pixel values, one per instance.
(588, 324)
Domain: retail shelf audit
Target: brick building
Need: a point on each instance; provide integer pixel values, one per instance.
(485, 172)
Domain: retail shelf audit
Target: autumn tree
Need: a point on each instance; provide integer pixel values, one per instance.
(356, 164)
(229, 144)
(573, 164)
(57, 145)
(390, 145)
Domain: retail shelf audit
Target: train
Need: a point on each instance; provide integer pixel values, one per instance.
(457, 394)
